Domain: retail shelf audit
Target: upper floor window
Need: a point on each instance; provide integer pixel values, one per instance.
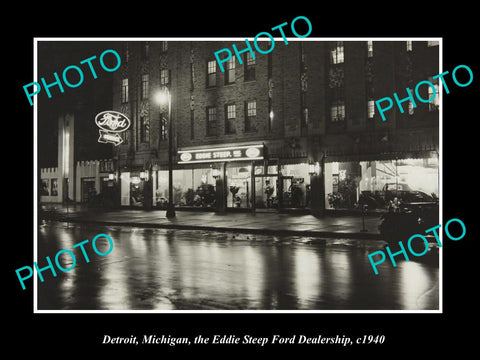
(370, 109)
(163, 128)
(211, 120)
(337, 111)
(230, 71)
(124, 90)
(144, 129)
(230, 117)
(410, 108)
(163, 46)
(144, 90)
(408, 46)
(211, 73)
(369, 48)
(164, 77)
(433, 93)
(337, 54)
(251, 115)
(249, 67)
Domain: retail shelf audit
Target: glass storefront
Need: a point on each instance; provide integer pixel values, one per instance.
(296, 185)
(239, 185)
(191, 188)
(132, 189)
(266, 187)
(269, 186)
(377, 184)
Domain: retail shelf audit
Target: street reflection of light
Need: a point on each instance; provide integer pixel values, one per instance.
(307, 275)
(341, 275)
(415, 284)
(253, 275)
(114, 294)
(225, 262)
(66, 240)
(66, 286)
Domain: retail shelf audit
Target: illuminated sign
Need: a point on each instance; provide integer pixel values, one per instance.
(237, 153)
(111, 123)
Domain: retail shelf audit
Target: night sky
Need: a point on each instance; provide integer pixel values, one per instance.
(85, 101)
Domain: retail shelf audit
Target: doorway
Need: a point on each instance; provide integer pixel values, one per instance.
(88, 189)
(266, 192)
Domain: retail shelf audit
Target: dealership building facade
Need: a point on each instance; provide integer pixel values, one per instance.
(293, 129)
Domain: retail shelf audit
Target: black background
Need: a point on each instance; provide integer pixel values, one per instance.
(59, 335)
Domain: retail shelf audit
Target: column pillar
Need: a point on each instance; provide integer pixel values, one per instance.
(220, 189)
(317, 191)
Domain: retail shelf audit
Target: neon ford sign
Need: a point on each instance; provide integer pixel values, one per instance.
(111, 123)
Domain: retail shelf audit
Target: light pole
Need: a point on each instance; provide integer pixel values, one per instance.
(163, 97)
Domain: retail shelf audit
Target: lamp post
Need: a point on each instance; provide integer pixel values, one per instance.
(163, 97)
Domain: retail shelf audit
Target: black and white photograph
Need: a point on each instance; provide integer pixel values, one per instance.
(257, 182)
(221, 180)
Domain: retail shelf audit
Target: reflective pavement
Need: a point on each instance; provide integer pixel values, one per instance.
(166, 269)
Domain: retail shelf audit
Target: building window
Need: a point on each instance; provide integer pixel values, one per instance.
(145, 50)
(230, 117)
(337, 55)
(410, 108)
(434, 104)
(369, 48)
(432, 43)
(163, 128)
(249, 67)
(337, 111)
(54, 188)
(408, 46)
(370, 109)
(44, 187)
(251, 115)
(144, 129)
(124, 91)
(164, 77)
(163, 46)
(230, 72)
(144, 92)
(211, 121)
(211, 73)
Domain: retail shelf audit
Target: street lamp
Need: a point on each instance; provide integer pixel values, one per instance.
(161, 98)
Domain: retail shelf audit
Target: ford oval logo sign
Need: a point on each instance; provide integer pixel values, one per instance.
(252, 152)
(186, 156)
(112, 121)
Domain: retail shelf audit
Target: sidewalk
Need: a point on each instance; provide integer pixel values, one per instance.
(260, 223)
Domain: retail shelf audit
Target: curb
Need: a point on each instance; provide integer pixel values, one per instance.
(312, 233)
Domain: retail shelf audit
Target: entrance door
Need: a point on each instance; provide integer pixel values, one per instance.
(266, 196)
(88, 189)
(286, 188)
(239, 186)
(294, 192)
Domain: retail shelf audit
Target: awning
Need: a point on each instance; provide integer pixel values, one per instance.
(331, 156)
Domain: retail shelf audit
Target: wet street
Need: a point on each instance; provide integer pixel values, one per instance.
(162, 269)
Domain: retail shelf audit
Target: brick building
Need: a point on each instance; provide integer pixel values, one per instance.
(295, 128)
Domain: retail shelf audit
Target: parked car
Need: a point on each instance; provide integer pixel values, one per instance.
(402, 191)
(409, 219)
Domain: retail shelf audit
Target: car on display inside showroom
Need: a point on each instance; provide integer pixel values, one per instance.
(392, 194)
